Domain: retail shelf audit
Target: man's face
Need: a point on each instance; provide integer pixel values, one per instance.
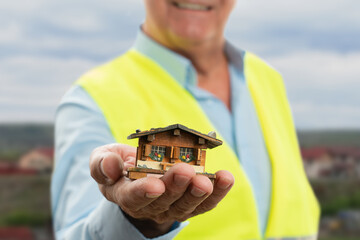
(187, 21)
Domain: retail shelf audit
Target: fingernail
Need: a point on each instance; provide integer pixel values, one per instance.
(152, 195)
(223, 184)
(102, 168)
(197, 192)
(181, 180)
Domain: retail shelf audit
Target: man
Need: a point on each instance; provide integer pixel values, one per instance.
(181, 70)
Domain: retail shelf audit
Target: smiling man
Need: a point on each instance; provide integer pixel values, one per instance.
(181, 70)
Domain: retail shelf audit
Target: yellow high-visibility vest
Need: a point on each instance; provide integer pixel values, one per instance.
(134, 92)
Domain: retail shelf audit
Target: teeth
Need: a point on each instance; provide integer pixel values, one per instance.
(192, 6)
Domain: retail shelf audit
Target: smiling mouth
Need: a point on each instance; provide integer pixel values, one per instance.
(191, 6)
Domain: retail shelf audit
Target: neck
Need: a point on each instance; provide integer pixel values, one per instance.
(209, 60)
(205, 58)
(204, 55)
(213, 75)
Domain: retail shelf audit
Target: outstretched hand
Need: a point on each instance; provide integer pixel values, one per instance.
(154, 204)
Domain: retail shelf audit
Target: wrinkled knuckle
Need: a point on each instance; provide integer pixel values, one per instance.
(181, 209)
(135, 214)
(127, 210)
(172, 194)
(159, 219)
(159, 207)
(106, 193)
(205, 207)
(124, 204)
(127, 205)
(210, 206)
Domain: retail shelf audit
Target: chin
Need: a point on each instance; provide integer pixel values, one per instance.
(194, 34)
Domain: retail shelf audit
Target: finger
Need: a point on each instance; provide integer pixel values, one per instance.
(176, 181)
(108, 162)
(223, 183)
(106, 167)
(200, 188)
(132, 196)
(127, 153)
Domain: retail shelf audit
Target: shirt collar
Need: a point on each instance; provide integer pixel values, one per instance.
(235, 56)
(179, 67)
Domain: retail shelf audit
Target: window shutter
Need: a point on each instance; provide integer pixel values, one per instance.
(197, 154)
(202, 158)
(169, 152)
(147, 150)
(176, 152)
(203, 155)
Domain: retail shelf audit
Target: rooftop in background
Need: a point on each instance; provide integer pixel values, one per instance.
(14, 169)
(16, 233)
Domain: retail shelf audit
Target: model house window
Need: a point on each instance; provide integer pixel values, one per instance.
(187, 154)
(157, 153)
(158, 149)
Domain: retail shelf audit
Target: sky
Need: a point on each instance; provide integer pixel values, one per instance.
(46, 45)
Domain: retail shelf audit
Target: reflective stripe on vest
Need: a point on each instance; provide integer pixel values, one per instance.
(134, 92)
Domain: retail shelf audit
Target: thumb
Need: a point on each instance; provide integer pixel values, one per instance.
(106, 167)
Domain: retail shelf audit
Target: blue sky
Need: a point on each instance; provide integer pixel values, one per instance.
(46, 45)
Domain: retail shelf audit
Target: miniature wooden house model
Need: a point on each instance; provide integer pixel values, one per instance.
(161, 148)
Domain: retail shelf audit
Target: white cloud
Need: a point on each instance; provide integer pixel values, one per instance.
(10, 33)
(322, 87)
(29, 114)
(75, 20)
(320, 69)
(46, 45)
(81, 28)
(32, 7)
(42, 71)
(21, 7)
(315, 116)
(297, 13)
(31, 87)
(268, 28)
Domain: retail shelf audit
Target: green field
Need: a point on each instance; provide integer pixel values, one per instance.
(16, 139)
(25, 200)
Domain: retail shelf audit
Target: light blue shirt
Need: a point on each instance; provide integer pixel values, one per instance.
(79, 209)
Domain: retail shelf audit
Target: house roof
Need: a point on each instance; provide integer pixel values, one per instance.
(47, 151)
(212, 142)
(23, 233)
(315, 152)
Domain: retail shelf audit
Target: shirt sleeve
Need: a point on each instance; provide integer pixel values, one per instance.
(79, 209)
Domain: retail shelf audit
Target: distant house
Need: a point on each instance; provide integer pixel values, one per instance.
(16, 233)
(13, 169)
(40, 159)
(340, 162)
(317, 161)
